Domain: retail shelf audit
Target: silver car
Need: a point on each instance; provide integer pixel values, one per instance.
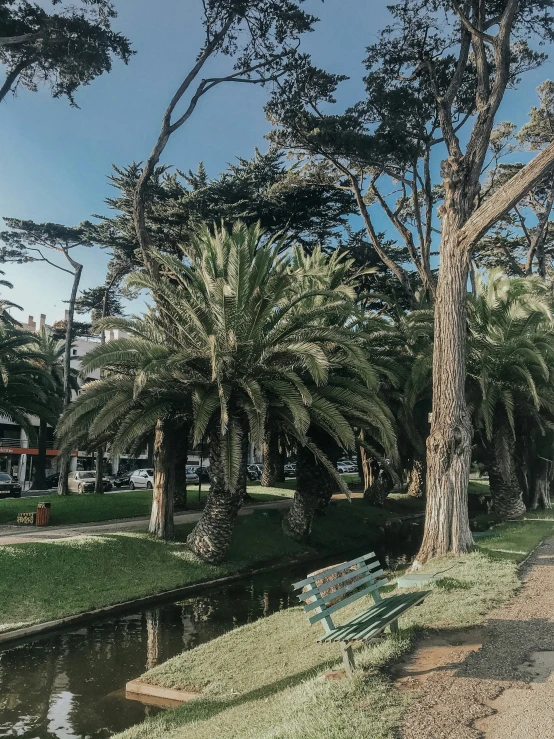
(142, 479)
(85, 482)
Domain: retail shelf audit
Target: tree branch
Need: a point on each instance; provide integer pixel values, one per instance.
(469, 25)
(507, 197)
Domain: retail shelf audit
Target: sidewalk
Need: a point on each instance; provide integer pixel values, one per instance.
(19, 535)
(495, 682)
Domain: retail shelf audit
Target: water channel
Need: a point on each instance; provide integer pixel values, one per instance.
(71, 685)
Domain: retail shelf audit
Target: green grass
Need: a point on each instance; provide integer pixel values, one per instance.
(259, 681)
(129, 504)
(514, 541)
(41, 581)
(478, 487)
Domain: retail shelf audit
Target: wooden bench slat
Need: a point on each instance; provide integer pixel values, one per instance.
(365, 569)
(345, 601)
(324, 599)
(373, 621)
(331, 570)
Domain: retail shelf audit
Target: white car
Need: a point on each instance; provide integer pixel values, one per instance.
(346, 468)
(142, 479)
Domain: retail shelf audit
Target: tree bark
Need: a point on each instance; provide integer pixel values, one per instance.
(416, 488)
(449, 443)
(211, 537)
(39, 481)
(543, 478)
(311, 479)
(161, 517)
(181, 454)
(64, 459)
(273, 460)
(99, 470)
(507, 496)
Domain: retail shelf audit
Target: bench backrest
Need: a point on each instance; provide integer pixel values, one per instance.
(322, 593)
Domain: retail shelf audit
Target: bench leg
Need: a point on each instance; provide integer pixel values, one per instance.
(347, 658)
(394, 627)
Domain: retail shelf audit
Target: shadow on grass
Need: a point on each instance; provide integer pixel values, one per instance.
(202, 709)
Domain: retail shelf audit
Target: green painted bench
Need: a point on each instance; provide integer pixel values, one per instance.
(321, 597)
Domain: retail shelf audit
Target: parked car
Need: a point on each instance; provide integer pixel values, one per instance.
(9, 488)
(85, 482)
(290, 470)
(142, 479)
(346, 468)
(53, 480)
(253, 472)
(192, 476)
(202, 472)
(122, 480)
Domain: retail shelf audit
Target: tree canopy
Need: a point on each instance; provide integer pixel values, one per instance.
(63, 48)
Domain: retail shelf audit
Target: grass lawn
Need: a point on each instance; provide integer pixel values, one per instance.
(128, 504)
(259, 681)
(40, 581)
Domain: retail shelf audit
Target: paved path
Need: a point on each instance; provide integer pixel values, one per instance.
(18, 535)
(497, 682)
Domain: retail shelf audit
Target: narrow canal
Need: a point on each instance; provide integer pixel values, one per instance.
(71, 685)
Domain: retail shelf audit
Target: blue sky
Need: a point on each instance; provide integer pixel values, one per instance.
(54, 160)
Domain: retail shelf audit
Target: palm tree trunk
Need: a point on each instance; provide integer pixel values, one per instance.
(273, 460)
(416, 488)
(507, 499)
(181, 454)
(211, 537)
(161, 517)
(309, 480)
(39, 478)
(543, 478)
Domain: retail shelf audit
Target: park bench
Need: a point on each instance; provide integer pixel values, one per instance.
(327, 591)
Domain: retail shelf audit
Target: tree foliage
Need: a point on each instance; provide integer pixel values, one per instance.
(64, 48)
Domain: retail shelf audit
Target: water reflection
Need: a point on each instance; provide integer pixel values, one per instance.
(71, 686)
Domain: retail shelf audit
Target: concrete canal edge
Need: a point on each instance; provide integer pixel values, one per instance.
(9, 638)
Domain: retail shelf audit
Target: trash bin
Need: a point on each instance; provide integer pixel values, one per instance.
(43, 514)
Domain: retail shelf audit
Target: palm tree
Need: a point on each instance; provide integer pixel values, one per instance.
(510, 375)
(51, 352)
(239, 336)
(22, 380)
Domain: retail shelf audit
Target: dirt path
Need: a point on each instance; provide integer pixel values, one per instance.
(495, 682)
(19, 535)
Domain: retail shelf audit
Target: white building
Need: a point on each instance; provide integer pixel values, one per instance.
(17, 450)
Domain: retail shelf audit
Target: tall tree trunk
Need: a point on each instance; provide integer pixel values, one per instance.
(449, 443)
(416, 487)
(63, 465)
(39, 478)
(211, 537)
(99, 471)
(543, 478)
(506, 492)
(272, 459)
(181, 453)
(161, 517)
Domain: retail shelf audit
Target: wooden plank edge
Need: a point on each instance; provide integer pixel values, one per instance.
(139, 688)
